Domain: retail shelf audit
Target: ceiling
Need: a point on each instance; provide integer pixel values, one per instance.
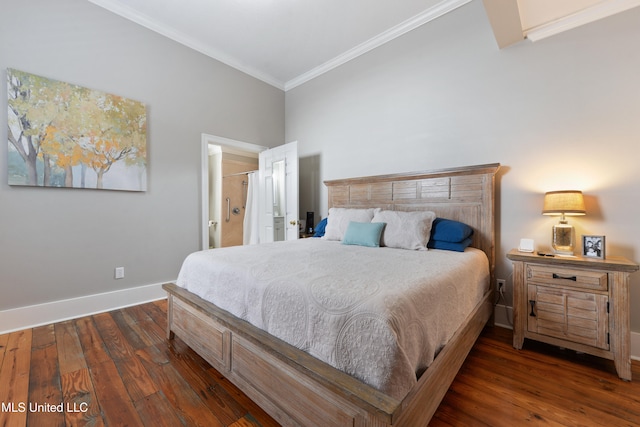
(288, 42)
(281, 42)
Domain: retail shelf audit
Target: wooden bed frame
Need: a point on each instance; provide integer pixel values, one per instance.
(297, 389)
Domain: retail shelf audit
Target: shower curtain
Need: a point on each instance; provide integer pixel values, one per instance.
(250, 229)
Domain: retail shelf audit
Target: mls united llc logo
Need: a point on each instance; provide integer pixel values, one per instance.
(20, 407)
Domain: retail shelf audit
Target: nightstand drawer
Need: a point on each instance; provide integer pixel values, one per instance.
(563, 277)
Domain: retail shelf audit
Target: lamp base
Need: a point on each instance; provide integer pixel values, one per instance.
(562, 239)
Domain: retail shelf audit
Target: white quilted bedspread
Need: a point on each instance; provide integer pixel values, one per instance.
(379, 314)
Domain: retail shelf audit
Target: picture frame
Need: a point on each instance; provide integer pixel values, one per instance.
(593, 246)
(62, 135)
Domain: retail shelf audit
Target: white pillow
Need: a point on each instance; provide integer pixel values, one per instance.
(339, 219)
(405, 230)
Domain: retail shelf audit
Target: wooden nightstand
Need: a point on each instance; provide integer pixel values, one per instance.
(574, 302)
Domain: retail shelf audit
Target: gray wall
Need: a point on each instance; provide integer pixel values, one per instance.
(64, 243)
(563, 113)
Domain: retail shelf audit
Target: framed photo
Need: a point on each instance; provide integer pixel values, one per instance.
(593, 246)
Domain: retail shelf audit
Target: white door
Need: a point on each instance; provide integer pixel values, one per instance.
(278, 195)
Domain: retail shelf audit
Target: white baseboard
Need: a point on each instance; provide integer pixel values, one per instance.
(57, 311)
(635, 345)
(503, 317)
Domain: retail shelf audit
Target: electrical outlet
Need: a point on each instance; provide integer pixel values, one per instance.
(501, 283)
(119, 273)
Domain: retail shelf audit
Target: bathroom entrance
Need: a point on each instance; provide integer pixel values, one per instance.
(235, 183)
(247, 191)
(226, 164)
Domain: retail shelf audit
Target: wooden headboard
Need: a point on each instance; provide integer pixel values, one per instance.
(465, 194)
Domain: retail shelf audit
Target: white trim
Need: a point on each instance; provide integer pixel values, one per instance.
(503, 316)
(58, 311)
(148, 22)
(635, 345)
(31, 316)
(228, 142)
(598, 11)
(204, 195)
(422, 18)
(207, 139)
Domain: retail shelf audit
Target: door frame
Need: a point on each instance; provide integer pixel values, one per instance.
(207, 139)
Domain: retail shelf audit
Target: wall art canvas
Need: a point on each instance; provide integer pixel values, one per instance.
(63, 135)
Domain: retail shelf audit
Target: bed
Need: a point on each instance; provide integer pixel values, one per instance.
(303, 382)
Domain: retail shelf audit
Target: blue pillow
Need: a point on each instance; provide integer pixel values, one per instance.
(320, 228)
(449, 246)
(447, 230)
(363, 233)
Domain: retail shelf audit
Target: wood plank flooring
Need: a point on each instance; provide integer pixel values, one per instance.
(116, 369)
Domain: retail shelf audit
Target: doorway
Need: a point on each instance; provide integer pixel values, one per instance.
(235, 184)
(225, 163)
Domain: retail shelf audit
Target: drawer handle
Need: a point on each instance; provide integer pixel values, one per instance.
(532, 303)
(560, 276)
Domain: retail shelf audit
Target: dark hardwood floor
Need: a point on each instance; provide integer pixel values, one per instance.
(117, 369)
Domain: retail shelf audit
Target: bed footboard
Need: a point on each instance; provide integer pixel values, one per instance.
(297, 389)
(292, 387)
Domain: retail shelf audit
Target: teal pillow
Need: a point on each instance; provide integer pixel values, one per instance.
(363, 234)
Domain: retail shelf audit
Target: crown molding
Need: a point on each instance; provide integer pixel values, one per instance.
(179, 37)
(428, 15)
(593, 13)
(422, 18)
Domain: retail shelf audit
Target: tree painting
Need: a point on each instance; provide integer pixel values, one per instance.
(63, 135)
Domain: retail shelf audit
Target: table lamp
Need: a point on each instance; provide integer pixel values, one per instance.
(564, 203)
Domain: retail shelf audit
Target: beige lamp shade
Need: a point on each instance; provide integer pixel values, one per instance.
(567, 202)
